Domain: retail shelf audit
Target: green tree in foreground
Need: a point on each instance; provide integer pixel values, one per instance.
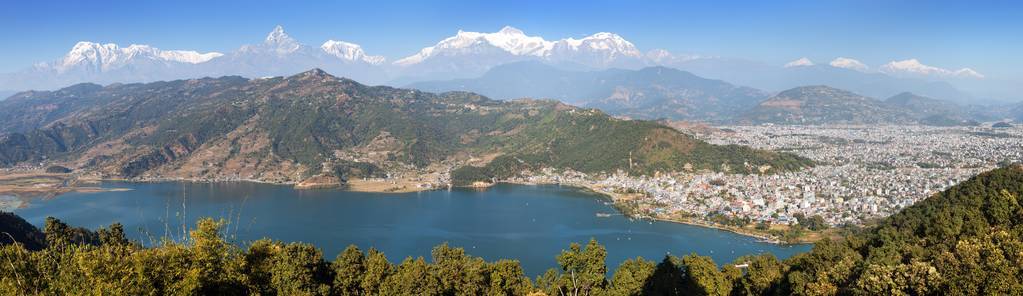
(583, 271)
(630, 277)
(762, 276)
(413, 277)
(349, 268)
(703, 277)
(377, 270)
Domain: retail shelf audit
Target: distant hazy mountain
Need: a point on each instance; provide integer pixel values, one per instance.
(279, 55)
(648, 93)
(922, 106)
(914, 68)
(528, 79)
(775, 78)
(1017, 113)
(821, 105)
(930, 111)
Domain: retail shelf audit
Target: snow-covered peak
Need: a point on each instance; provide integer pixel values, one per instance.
(518, 43)
(188, 56)
(350, 52)
(801, 62)
(664, 57)
(102, 57)
(910, 66)
(277, 35)
(603, 41)
(508, 39)
(915, 67)
(87, 52)
(281, 42)
(83, 47)
(600, 49)
(848, 63)
(967, 72)
(511, 31)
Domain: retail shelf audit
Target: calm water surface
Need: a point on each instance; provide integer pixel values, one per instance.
(529, 223)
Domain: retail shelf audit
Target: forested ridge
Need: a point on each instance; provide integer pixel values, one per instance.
(963, 241)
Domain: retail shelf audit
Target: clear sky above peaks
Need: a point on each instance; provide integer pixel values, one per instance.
(984, 35)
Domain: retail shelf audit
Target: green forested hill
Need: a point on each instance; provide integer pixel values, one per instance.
(284, 129)
(964, 241)
(590, 141)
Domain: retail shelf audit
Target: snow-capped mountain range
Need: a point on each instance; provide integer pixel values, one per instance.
(914, 67)
(464, 55)
(606, 47)
(106, 57)
(470, 54)
(281, 44)
(347, 51)
(904, 68)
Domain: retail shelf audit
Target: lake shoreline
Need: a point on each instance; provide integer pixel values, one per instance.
(40, 184)
(615, 198)
(354, 185)
(399, 186)
(508, 221)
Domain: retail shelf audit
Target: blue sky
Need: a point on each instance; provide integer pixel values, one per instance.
(983, 35)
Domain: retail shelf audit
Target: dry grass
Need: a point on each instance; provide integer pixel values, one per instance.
(41, 184)
(382, 185)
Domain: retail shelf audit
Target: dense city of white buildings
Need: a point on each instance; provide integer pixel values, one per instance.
(862, 172)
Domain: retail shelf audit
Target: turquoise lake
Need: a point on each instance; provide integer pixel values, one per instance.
(529, 223)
